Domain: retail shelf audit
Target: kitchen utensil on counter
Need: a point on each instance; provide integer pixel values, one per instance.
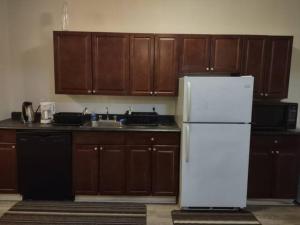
(47, 111)
(27, 112)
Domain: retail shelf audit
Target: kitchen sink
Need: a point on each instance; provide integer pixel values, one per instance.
(104, 123)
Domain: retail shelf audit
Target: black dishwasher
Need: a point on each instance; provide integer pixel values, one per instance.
(44, 165)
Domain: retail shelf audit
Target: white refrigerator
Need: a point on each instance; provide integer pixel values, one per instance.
(214, 114)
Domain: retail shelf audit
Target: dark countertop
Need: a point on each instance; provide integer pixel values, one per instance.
(277, 132)
(17, 125)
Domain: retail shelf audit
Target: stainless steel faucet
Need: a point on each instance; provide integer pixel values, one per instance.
(107, 114)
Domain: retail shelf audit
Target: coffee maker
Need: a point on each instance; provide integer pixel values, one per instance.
(47, 112)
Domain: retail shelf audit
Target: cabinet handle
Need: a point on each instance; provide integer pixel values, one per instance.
(276, 141)
(94, 91)
(89, 91)
(207, 68)
(149, 149)
(212, 69)
(266, 94)
(272, 152)
(151, 92)
(261, 94)
(277, 152)
(154, 149)
(95, 148)
(101, 148)
(13, 147)
(155, 92)
(152, 139)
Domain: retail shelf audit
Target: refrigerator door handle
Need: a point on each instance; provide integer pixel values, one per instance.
(187, 144)
(188, 100)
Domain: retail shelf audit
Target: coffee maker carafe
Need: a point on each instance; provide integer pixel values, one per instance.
(47, 111)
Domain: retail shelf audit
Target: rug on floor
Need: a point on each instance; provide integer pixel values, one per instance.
(186, 217)
(83, 213)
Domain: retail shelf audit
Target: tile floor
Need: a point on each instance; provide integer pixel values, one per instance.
(160, 214)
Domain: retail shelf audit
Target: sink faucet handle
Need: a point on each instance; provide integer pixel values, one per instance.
(85, 111)
(107, 114)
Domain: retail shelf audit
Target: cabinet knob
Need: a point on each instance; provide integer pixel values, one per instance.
(277, 152)
(212, 69)
(152, 139)
(149, 149)
(266, 94)
(272, 152)
(207, 68)
(95, 148)
(155, 92)
(13, 146)
(154, 149)
(94, 91)
(89, 91)
(276, 141)
(261, 94)
(101, 148)
(151, 92)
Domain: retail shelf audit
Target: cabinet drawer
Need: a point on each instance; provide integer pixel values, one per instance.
(8, 136)
(101, 138)
(152, 138)
(286, 143)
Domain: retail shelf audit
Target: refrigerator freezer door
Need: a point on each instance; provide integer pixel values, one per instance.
(216, 99)
(214, 165)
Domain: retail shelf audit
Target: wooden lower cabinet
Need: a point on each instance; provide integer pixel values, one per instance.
(139, 170)
(128, 169)
(274, 167)
(165, 163)
(8, 162)
(112, 170)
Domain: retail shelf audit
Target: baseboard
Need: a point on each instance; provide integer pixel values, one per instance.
(10, 197)
(278, 202)
(131, 199)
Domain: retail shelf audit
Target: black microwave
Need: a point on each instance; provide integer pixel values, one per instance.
(274, 115)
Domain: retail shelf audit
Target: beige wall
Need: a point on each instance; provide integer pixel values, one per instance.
(32, 22)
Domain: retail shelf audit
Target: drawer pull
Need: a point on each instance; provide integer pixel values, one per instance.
(101, 148)
(13, 147)
(277, 152)
(272, 152)
(149, 149)
(276, 141)
(154, 149)
(152, 139)
(95, 148)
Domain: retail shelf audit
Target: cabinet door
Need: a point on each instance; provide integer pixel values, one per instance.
(164, 170)
(225, 53)
(139, 170)
(260, 167)
(110, 63)
(194, 54)
(141, 64)
(72, 62)
(166, 65)
(112, 170)
(85, 167)
(286, 162)
(8, 168)
(278, 71)
(253, 61)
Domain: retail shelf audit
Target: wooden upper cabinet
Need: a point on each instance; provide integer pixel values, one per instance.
(225, 53)
(110, 63)
(141, 64)
(166, 65)
(253, 61)
(72, 62)
(194, 53)
(278, 71)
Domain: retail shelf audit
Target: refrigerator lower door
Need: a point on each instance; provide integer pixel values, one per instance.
(214, 165)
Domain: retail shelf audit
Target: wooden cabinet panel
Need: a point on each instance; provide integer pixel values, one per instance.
(225, 53)
(8, 167)
(166, 65)
(254, 60)
(139, 170)
(278, 71)
(99, 138)
(110, 63)
(72, 62)
(112, 170)
(165, 170)
(141, 64)
(194, 53)
(85, 167)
